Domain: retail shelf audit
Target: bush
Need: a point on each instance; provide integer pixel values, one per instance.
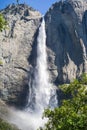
(3, 22)
(1, 62)
(6, 126)
(72, 114)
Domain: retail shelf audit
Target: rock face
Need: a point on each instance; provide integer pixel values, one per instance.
(16, 44)
(66, 27)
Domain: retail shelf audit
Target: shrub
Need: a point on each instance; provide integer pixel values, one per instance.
(1, 62)
(6, 126)
(72, 114)
(3, 22)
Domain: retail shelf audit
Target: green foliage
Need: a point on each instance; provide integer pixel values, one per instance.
(72, 114)
(1, 62)
(3, 23)
(6, 126)
(83, 79)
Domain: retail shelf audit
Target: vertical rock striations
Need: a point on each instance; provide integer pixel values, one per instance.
(66, 27)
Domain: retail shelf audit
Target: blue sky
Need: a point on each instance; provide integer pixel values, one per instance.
(41, 5)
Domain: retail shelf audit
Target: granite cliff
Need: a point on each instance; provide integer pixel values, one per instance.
(16, 44)
(66, 29)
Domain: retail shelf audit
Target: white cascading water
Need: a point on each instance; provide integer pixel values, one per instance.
(42, 94)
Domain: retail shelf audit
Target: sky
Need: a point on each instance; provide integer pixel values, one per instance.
(40, 5)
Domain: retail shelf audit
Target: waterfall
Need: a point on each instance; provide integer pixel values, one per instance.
(42, 94)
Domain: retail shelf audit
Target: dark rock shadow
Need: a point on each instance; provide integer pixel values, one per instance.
(32, 59)
(33, 56)
(84, 25)
(20, 100)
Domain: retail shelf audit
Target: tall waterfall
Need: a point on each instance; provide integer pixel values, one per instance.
(43, 93)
